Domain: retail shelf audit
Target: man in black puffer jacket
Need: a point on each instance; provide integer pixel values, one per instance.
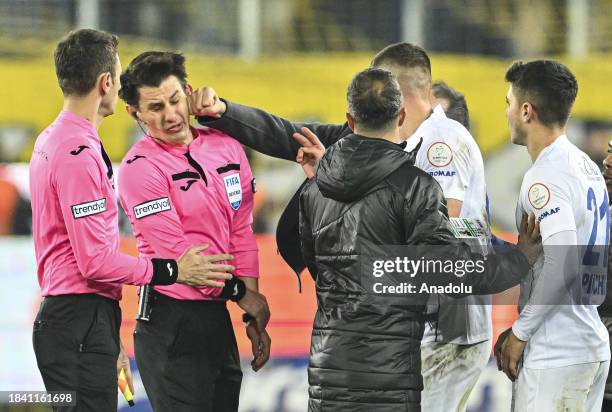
(365, 349)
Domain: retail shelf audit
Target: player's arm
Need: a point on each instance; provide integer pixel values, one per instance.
(79, 184)
(551, 287)
(255, 128)
(449, 164)
(548, 199)
(144, 193)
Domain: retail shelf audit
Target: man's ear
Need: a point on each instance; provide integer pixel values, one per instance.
(131, 110)
(528, 112)
(105, 81)
(402, 117)
(188, 89)
(350, 121)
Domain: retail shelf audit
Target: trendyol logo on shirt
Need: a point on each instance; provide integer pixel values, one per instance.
(88, 208)
(151, 207)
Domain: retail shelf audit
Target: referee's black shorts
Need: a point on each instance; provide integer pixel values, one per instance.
(76, 342)
(187, 356)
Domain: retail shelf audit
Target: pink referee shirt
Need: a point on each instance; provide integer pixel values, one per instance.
(182, 196)
(74, 214)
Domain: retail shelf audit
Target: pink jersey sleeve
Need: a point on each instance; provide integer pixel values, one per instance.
(93, 232)
(243, 245)
(145, 196)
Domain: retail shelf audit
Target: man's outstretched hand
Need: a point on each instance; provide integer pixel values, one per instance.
(310, 153)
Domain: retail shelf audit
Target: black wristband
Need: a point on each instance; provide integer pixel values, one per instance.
(234, 289)
(165, 271)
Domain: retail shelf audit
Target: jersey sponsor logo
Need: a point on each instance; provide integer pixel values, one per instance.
(78, 150)
(187, 185)
(548, 213)
(443, 173)
(439, 154)
(234, 190)
(88, 208)
(151, 207)
(192, 176)
(539, 195)
(133, 159)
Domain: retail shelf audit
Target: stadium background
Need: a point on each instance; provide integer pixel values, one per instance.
(293, 58)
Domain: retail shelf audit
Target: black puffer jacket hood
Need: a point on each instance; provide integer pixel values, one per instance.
(355, 165)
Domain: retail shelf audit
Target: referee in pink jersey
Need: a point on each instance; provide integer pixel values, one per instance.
(182, 186)
(76, 235)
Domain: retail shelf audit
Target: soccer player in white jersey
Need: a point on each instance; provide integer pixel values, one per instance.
(557, 353)
(457, 343)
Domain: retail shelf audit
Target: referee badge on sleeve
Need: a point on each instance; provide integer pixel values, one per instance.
(233, 190)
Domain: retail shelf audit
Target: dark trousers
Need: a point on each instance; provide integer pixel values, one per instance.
(337, 399)
(76, 342)
(187, 356)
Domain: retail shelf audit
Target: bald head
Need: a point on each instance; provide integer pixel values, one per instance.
(374, 100)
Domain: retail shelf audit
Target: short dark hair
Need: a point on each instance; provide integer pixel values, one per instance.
(81, 57)
(548, 85)
(150, 69)
(404, 55)
(374, 99)
(457, 106)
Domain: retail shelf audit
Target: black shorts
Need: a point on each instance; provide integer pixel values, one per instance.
(76, 342)
(187, 356)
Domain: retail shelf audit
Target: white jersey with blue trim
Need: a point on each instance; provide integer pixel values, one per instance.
(566, 192)
(450, 154)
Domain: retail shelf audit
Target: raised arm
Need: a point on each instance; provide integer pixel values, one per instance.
(255, 128)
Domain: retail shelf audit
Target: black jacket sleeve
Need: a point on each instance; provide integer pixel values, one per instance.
(267, 133)
(306, 237)
(427, 225)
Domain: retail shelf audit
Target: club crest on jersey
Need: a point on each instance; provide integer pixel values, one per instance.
(233, 189)
(439, 154)
(539, 195)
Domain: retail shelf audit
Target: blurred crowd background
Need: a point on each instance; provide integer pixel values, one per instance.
(293, 58)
